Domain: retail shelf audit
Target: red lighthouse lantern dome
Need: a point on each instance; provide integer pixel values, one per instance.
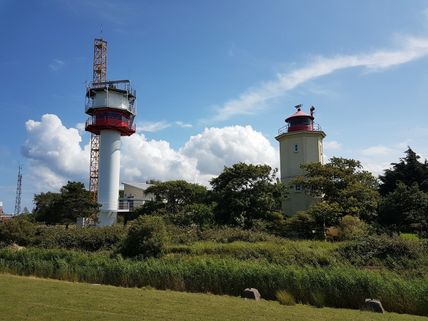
(300, 121)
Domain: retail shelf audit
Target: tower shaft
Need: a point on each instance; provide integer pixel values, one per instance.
(108, 194)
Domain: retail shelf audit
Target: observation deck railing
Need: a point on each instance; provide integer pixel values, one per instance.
(284, 129)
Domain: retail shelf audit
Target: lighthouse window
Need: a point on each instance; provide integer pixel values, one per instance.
(296, 148)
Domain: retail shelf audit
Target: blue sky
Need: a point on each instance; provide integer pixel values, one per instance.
(214, 79)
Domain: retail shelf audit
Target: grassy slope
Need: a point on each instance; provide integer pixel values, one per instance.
(24, 298)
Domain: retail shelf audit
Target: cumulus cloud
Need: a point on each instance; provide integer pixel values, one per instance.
(409, 49)
(56, 154)
(215, 148)
(54, 151)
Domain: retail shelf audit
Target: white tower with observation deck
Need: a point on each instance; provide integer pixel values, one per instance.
(111, 107)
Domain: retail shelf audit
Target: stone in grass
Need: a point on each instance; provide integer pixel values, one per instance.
(251, 293)
(373, 305)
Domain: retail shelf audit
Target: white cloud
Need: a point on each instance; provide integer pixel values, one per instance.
(332, 145)
(183, 124)
(56, 64)
(377, 151)
(255, 98)
(215, 148)
(151, 127)
(56, 154)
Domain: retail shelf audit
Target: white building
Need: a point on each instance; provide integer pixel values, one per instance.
(134, 196)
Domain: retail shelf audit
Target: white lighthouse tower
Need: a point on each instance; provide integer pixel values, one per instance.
(300, 142)
(111, 106)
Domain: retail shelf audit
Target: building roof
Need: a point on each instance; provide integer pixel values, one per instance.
(299, 113)
(142, 186)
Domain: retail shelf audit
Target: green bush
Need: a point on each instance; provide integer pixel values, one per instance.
(200, 215)
(224, 234)
(86, 239)
(19, 230)
(391, 252)
(147, 237)
(351, 227)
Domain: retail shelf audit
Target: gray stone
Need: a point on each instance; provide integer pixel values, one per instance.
(251, 293)
(373, 305)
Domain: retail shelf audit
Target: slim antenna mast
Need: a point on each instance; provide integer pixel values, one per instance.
(18, 192)
(99, 74)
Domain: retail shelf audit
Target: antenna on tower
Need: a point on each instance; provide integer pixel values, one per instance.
(18, 192)
(298, 107)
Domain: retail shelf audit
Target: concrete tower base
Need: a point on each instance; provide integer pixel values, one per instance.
(107, 218)
(109, 167)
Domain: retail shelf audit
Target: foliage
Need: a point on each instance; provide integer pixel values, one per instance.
(409, 170)
(65, 207)
(405, 209)
(336, 287)
(84, 239)
(351, 227)
(346, 189)
(147, 237)
(301, 225)
(200, 215)
(173, 196)
(394, 253)
(245, 192)
(285, 298)
(18, 230)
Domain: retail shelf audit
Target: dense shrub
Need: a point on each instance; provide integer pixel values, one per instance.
(25, 233)
(391, 252)
(19, 231)
(201, 215)
(351, 227)
(147, 237)
(343, 287)
(86, 239)
(232, 234)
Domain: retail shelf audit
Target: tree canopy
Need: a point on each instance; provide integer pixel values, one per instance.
(345, 189)
(173, 196)
(246, 192)
(405, 209)
(63, 208)
(409, 170)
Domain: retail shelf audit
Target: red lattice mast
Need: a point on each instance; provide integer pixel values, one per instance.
(99, 75)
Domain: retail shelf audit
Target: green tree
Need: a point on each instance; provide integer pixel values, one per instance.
(173, 196)
(405, 209)
(345, 189)
(63, 208)
(408, 170)
(146, 237)
(246, 192)
(195, 214)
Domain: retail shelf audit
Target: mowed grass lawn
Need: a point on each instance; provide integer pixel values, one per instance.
(27, 298)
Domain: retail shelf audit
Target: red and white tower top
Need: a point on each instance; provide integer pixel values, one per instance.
(111, 106)
(300, 121)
